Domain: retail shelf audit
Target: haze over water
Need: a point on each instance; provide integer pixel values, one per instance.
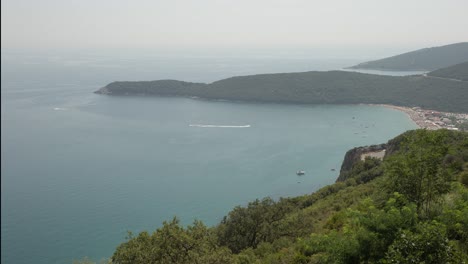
(80, 169)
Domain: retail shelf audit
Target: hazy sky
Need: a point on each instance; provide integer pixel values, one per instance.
(71, 24)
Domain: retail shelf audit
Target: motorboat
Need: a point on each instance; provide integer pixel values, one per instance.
(301, 172)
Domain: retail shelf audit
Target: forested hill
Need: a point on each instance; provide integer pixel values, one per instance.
(412, 207)
(333, 87)
(427, 59)
(456, 72)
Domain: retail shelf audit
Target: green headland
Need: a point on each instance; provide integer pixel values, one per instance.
(332, 87)
(427, 59)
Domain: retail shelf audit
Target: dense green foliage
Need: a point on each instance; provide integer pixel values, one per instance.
(457, 72)
(363, 171)
(333, 87)
(421, 175)
(412, 207)
(427, 59)
(247, 227)
(173, 244)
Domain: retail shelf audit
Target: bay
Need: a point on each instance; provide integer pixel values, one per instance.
(80, 169)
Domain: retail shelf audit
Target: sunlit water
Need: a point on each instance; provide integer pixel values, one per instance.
(80, 169)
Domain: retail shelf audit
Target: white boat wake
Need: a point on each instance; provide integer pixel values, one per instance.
(59, 109)
(222, 126)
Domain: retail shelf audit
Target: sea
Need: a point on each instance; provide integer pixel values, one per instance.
(79, 170)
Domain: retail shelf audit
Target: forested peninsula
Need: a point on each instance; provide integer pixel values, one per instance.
(314, 87)
(427, 59)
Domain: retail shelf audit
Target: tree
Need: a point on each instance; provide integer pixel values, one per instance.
(417, 171)
(173, 244)
(428, 244)
(246, 227)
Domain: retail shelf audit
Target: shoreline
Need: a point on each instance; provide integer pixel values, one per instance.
(417, 117)
(422, 118)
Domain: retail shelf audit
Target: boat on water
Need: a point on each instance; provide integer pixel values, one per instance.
(301, 172)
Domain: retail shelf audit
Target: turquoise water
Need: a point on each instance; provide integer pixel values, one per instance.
(79, 169)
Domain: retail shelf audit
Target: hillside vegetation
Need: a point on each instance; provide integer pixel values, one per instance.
(412, 207)
(457, 72)
(333, 87)
(427, 59)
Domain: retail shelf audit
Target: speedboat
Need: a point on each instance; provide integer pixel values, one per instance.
(301, 172)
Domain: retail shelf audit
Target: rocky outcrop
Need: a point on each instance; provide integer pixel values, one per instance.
(354, 155)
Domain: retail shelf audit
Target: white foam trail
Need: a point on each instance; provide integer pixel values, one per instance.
(199, 125)
(59, 109)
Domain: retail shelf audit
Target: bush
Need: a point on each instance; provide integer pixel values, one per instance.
(428, 244)
(464, 178)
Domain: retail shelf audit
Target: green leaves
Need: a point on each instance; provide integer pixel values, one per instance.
(173, 244)
(246, 227)
(417, 171)
(427, 244)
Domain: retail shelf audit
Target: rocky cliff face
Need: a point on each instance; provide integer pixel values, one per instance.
(354, 155)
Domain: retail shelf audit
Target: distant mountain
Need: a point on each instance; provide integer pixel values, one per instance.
(427, 59)
(457, 72)
(333, 87)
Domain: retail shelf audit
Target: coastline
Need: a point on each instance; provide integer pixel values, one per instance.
(417, 117)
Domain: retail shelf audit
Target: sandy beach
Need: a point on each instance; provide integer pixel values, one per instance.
(417, 117)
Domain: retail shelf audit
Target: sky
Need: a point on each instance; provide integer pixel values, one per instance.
(232, 24)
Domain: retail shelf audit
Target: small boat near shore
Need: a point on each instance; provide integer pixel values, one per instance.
(300, 173)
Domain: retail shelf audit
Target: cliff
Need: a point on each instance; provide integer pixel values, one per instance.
(355, 155)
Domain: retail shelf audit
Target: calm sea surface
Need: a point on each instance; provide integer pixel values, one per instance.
(79, 169)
